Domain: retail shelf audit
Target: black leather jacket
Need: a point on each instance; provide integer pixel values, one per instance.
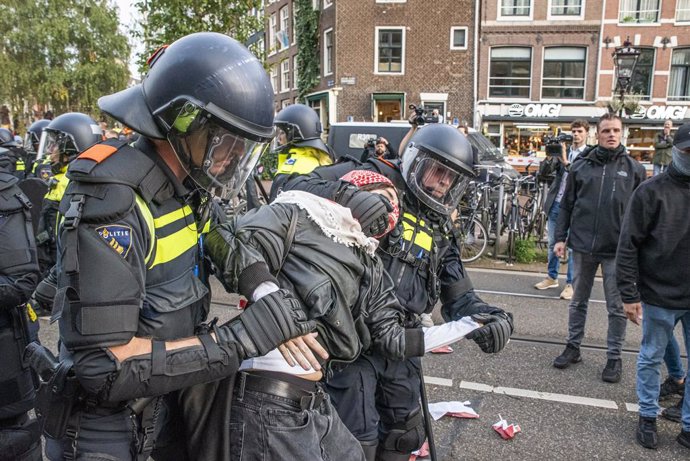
(421, 255)
(343, 288)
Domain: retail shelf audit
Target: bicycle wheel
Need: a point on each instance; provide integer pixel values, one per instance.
(474, 240)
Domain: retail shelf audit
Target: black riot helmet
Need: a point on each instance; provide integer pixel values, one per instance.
(33, 135)
(437, 166)
(300, 126)
(7, 138)
(211, 99)
(67, 136)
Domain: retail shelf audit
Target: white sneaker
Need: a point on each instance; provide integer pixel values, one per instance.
(547, 283)
(567, 292)
(426, 320)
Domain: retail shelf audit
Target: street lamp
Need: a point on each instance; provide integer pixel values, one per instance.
(625, 59)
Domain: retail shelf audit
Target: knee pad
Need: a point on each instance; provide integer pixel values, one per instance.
(21, 442)
(406, 436)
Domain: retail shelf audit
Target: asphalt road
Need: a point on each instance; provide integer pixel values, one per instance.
(564, 414)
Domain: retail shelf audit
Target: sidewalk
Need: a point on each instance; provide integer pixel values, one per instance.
(500, 264)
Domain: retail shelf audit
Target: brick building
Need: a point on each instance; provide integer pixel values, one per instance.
(660, 29)
(538, 62)
(379, 56)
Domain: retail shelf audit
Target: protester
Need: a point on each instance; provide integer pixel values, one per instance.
(598, 189)
(422, 257)
(653, 272)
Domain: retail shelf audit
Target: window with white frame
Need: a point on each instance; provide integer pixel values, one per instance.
(284, 34)
(639, 11)
(679, 84)
(458, 38)
(274, 79)
(644, 71)
(272, 31)
(564, 73)
(511, 72)
(328, 52)
(390, 50)
(294, 72)
(285, 103)
(284, 75)
(566, 8)
(683, 11)
(515, 8)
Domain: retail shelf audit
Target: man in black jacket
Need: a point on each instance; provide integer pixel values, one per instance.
(596, 194)
(652, 271)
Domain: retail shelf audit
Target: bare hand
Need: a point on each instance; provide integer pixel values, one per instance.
(559, 249)
(634, 312)
(299, 351)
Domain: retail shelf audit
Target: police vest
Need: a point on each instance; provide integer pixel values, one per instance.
(17, 258)
(302, 160)
(174, 279)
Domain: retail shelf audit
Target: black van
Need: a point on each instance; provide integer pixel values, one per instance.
(350, 139)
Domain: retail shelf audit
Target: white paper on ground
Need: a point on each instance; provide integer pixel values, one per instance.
(438, 409)
(448, 333)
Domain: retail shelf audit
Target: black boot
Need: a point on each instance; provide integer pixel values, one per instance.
(646, 432)
(571, 354)
(673, 413)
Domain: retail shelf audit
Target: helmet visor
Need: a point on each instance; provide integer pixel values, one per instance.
(436, 184)
(214, 153)
(31, 142)
(55, 146)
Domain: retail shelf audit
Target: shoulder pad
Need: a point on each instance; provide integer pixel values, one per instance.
(103, 202)
(11, 196)
(7, 180)
(124, 165)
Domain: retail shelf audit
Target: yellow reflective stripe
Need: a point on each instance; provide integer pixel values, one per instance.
(20, 166)
(174, 245)
(148, 217)
(173, 216)
(423, 239)
(207, 227)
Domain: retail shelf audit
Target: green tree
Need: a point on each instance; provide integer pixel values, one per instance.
(63, 54)
(164, 21)
(307, 33)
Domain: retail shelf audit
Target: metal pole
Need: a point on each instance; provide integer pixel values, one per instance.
(427, 416)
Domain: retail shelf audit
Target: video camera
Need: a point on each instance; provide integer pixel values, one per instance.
(552, 143)
(422, 116)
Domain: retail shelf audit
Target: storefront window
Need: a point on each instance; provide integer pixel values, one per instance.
(564, 73)
(640, 143)
(493, 133)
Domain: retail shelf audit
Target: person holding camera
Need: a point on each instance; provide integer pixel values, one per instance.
(554, 170)
(663, 143)
(379, 147)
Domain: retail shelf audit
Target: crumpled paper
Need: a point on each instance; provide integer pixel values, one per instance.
(455, 409)
(505, 430)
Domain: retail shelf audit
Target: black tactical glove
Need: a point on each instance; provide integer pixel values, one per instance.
(495, 333)
(371, 210)
(266, 324)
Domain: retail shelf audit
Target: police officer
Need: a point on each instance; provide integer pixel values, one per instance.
(378, 399)
(62, 140)
(300, 147)
(15, 154)
(32, 140)
(132, 282)
(20, 437)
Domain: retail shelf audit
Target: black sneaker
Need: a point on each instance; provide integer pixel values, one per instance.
(646, 433)
(571, 354)
(612, 371)
(673, 413)
(684, 438)
(671, 388)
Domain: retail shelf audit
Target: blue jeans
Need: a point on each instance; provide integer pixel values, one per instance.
(657, 329)
(672, 359)
(553, 261)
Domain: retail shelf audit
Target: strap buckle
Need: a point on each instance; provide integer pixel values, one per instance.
(313, 400)
(73, 214)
